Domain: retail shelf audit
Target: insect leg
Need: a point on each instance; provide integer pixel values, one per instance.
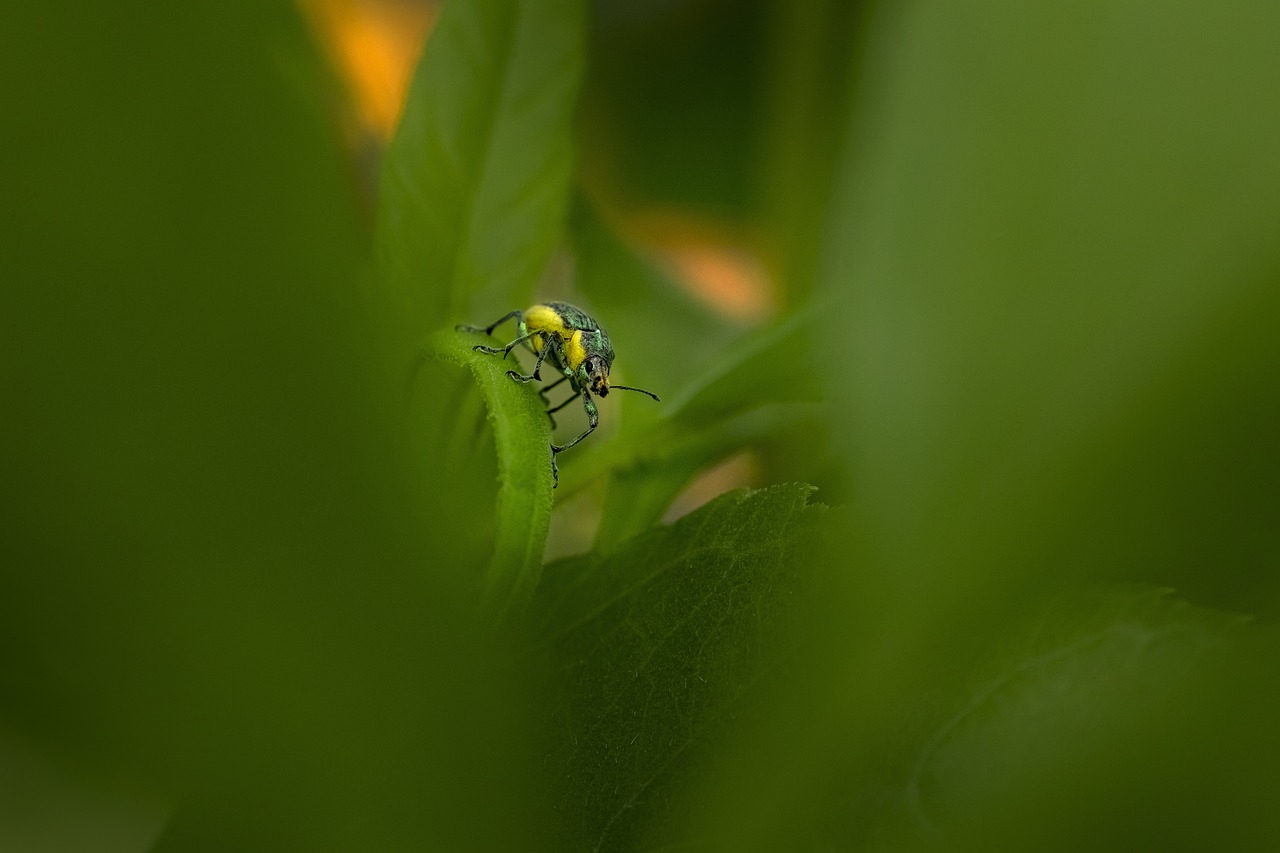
(537, 366)
(506, 351)
(488, 330)
(525, 336)
(593, 421)
(542, 392)
(545, 388)
(562, 405)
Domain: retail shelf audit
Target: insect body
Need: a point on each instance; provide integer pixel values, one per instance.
(575, 345)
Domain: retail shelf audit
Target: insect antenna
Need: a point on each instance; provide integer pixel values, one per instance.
(629, 388)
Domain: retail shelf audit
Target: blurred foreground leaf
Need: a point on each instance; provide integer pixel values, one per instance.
(1057, 298)
(1073, 716)
(1050, 283)
(475, 183)
(225, 579)
(45, 807)
(651, 650)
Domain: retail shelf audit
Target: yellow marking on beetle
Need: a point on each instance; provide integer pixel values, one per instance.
(574, 352)
(543, 318)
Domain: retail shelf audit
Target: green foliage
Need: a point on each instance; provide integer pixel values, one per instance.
(1048, 290)
(649, 651)
(1070, 690)
(272, 576)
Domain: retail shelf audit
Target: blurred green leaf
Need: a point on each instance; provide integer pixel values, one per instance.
(774, 365)
(805, 108)
(1056, 295)
(474, 185)
(1086, 677)
(225, 576)
(1049, 280)
(46, 807)
(650, 651)
(517, 415)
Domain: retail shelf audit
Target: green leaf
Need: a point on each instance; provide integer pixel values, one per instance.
(1049, 284)
(649, 651)
(522, 438)
(1068, 701)
(46, 809)
(1054, 293)
(219, 553)
(474, 185)
(804, 121)
(774, 365)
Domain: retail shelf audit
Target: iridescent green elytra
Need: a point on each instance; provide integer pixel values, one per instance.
(575, 345)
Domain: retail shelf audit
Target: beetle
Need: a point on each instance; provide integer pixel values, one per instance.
(575, 344)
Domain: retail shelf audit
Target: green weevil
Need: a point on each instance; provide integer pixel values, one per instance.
(574, 343)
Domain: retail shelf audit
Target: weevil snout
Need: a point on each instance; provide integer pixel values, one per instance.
(597, 375)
